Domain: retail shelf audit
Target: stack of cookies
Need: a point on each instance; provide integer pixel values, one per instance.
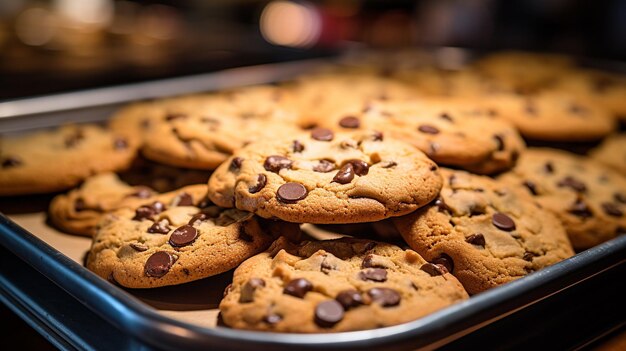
(428, 170)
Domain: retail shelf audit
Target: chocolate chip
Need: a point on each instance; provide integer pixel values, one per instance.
(322, 134)
(612, 209)
(328, 313)
(73, 139)
(476, 239)
(349, 298)
(139, 247)
(441, 205)
(445, 261)
(160, 227)
(532, 187)
(361, 168)
(298, 287)
(580, 209)
(528, 256)
(198, 217)
(428, 129)
(248, 289)
(261, 181)
(385, 297)
(573, 183)
(446, 116)
(619, 197)
(243, 234)
(297, 146)
(377, 136)
(183, 236)
(272, 319)
(291, 192)
(350, 122)
(182, 199)
(120, 144)
(388, 164)
(174, 116)
(324, 166)
(373, 274)
(148, 211)
(503, 222)
(345, 174)
(235, 164)
(548, 167)
(159, 264)
(79, 205)
(434, 269)
(368, 262)
(275, 163)
(499, 141)
(11, 161)
(577, 109)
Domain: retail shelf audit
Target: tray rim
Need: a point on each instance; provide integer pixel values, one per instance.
(128, 313)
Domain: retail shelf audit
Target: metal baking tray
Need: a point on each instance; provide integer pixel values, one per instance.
(75, 309)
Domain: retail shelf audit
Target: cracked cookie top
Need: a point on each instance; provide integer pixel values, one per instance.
(588, 197)
(484, 232)
(177, 239)
(335, 285)
(327, 177)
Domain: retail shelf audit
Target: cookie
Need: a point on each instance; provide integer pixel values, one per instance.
(174, 242)
(612, 152)
(80, 210)
(484, 232)
(451, 132)
(202, 132)
(316, 97)
(588, 197)
(160, 177)
(59, 159)
(324, 177)
(524, 70)
(334, 286)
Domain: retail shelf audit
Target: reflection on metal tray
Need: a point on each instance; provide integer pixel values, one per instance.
(49, 279)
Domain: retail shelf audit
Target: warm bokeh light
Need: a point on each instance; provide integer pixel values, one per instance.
(92, 12)
(35, 26)
(290, 24)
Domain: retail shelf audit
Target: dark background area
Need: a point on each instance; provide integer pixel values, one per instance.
(64, 45)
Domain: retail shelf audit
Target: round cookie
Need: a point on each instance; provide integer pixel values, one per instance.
(80, 210)
(325, 177)
(202, 131)
(484, 232)
(59, 159)
(334, 286)
(588, 197)
(612, 152)
(451, 132)
(171, 243)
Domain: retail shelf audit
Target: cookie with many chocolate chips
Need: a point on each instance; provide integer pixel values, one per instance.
(453, 132)
(80, 210)
(335, 285)
(54, 160)
(612, 152)
(173, 242)
(485, 233)
(201, 132)
(588, 197)
(327, 177)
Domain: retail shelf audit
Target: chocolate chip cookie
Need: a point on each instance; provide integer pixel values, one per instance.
(80, 210)
(327, 177)
(453, 132)
(612, 152)
(202, 132)
(59, 159)
(169, 243)
(485, 233)
(335, 285)
(588, 197)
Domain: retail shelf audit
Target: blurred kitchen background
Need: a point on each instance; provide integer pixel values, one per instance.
(63, 45)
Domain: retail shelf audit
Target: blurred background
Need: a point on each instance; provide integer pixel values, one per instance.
(63, 45)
